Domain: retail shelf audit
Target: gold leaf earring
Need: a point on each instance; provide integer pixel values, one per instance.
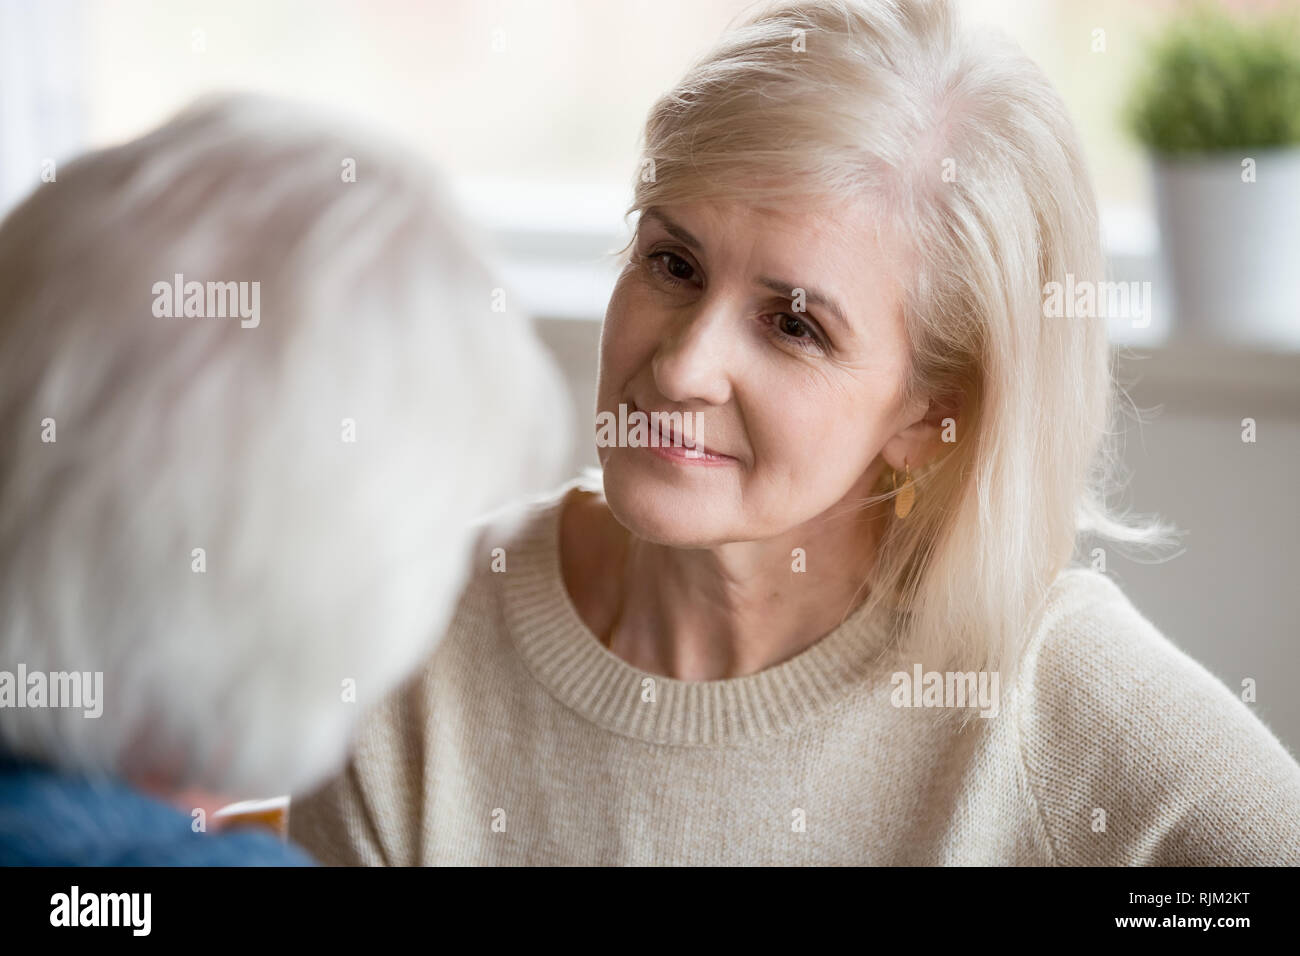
(906, 496)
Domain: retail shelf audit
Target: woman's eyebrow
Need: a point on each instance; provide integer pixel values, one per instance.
(811, 296)
(673, 229)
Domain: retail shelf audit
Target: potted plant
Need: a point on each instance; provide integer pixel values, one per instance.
(1218, 109)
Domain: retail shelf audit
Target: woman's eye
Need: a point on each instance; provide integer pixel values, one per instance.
(791, 328)
(672, 268)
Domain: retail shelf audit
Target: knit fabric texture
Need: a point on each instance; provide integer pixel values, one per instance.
(524, 741)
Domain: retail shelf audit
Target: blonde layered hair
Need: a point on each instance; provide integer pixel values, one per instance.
(876, 99)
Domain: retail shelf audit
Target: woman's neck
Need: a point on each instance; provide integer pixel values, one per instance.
(714, 613)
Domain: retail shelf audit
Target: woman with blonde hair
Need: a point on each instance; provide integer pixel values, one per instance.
(845, 626)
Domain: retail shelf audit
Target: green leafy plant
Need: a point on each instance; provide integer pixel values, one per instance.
(1218, 82)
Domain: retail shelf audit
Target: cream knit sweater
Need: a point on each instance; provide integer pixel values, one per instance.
(523, 740)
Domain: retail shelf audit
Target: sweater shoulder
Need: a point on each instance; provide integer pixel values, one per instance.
(1139, 755)
(523, 517)
(478, 616)
(373, 809)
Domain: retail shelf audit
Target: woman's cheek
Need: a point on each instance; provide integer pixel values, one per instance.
(614, 335)
(636, 332)
(627, 305)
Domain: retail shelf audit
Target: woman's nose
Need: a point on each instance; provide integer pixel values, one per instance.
(693, 360)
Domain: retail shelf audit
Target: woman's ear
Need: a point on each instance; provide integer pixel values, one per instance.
(923, 441)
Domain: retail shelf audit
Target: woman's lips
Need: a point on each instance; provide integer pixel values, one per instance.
(689, 456)
(672, 445)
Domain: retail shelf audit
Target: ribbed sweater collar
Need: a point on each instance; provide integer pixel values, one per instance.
(567, 658)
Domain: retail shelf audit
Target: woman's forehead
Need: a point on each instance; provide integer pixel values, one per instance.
(818, 223)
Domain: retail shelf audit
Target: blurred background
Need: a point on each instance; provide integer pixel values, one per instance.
(532, 108)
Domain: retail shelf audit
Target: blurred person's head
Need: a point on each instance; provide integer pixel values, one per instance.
(848, 212)
(252, 390)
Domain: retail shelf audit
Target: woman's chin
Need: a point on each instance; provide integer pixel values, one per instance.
(659, 506)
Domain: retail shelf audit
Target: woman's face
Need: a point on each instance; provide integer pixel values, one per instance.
(706, 318)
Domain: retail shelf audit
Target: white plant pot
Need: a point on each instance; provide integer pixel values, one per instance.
(1231, 248)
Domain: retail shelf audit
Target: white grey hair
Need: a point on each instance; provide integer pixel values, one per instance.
(324, 561)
